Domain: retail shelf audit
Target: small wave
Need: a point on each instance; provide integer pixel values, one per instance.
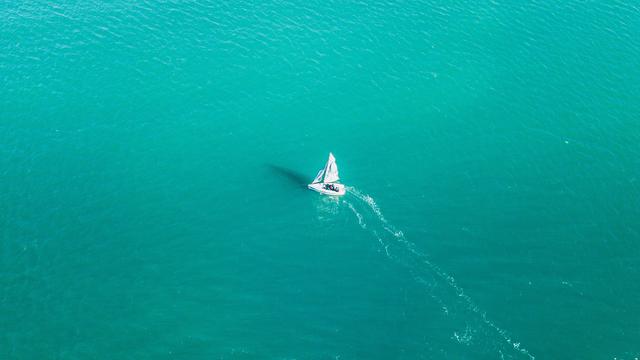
(363, 225)
(405, 253)
(358, 215)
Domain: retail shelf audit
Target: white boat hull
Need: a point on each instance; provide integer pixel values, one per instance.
(320, 187)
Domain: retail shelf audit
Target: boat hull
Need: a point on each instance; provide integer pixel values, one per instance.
(319, 187)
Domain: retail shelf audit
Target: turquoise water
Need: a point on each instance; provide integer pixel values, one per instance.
(154, 157)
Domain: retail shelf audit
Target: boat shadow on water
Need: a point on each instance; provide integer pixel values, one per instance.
(295, 179)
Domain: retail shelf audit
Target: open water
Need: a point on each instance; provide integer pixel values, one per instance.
(154, 157)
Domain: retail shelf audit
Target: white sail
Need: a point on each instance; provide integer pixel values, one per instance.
(318, 177)
(331, 170)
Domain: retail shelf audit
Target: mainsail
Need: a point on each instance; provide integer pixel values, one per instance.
(329, 173)
(331, 170)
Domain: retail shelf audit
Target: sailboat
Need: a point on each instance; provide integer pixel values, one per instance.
(326, 180)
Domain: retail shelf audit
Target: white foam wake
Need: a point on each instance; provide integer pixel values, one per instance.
(404, 252)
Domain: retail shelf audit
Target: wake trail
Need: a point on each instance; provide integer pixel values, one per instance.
(443, 287)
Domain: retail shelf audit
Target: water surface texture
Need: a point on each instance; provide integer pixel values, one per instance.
(154, 157)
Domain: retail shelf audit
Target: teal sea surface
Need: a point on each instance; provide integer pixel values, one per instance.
(154, 157)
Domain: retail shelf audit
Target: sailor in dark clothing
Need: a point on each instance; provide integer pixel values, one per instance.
(330, 187)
